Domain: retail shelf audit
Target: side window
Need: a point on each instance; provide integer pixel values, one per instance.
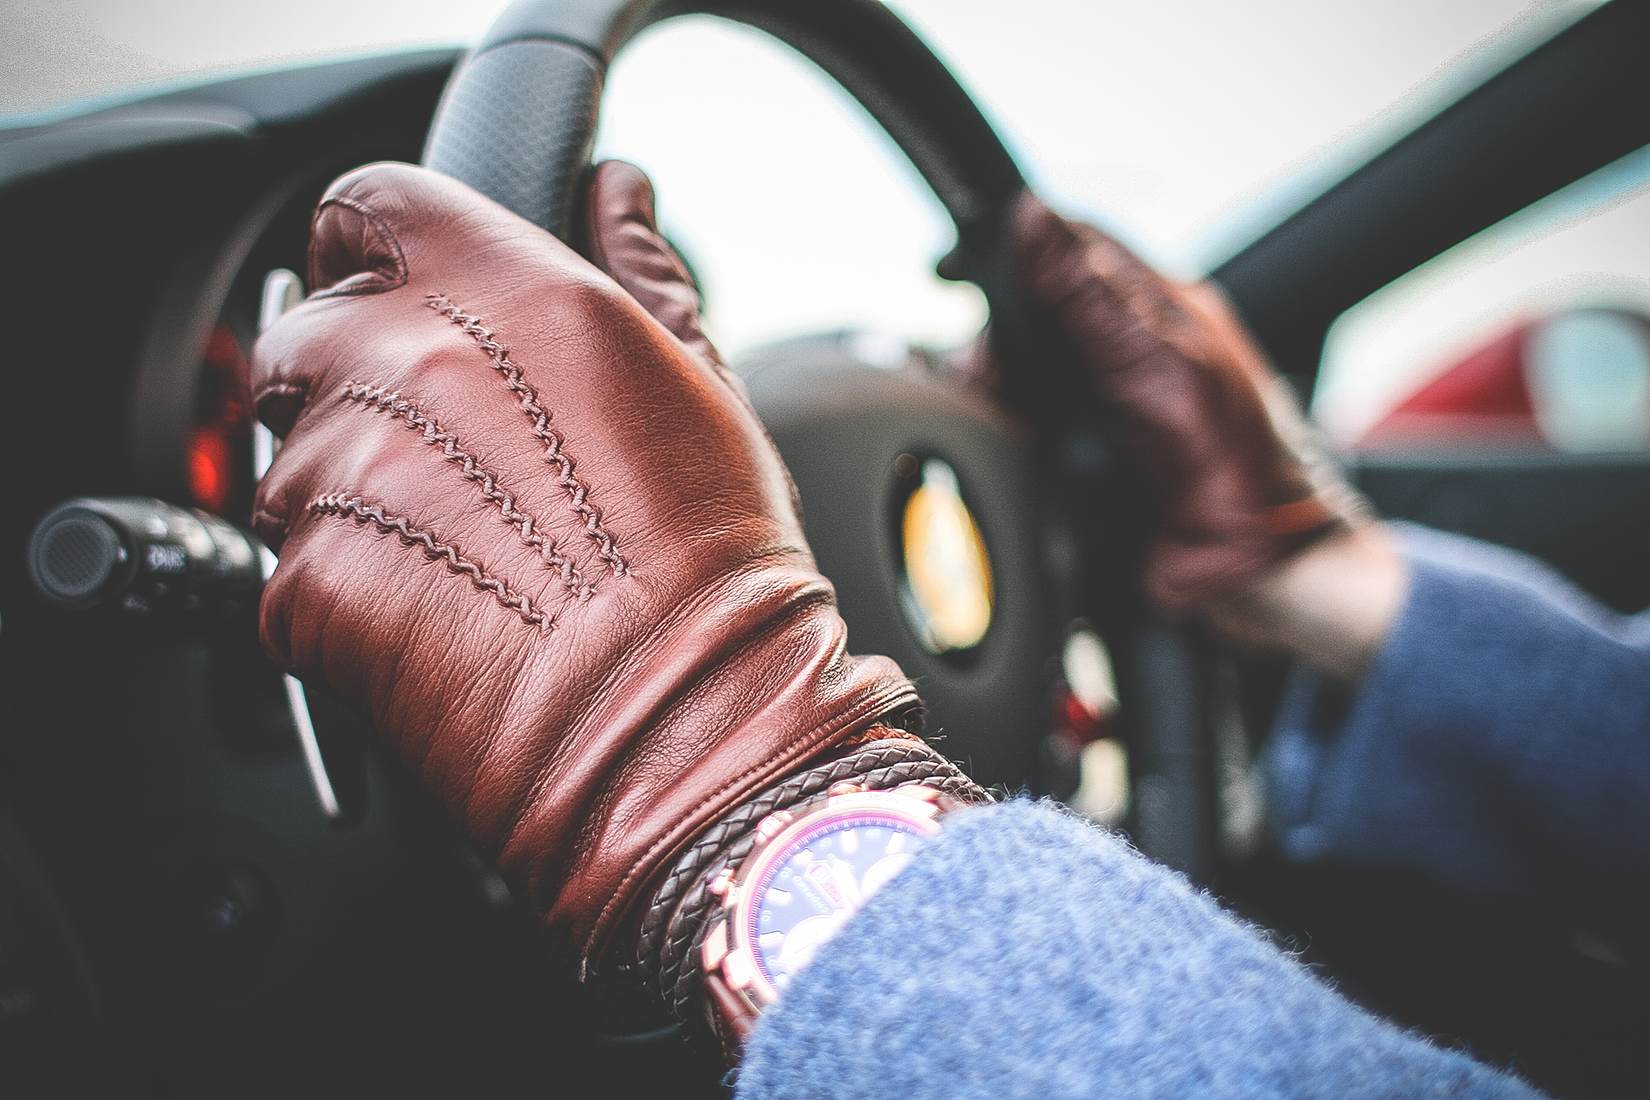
(1534, 333)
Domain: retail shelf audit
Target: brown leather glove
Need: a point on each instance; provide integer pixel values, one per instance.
(541, 537)
(1220, 448)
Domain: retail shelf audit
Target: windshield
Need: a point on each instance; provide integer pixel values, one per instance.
(1183, 125)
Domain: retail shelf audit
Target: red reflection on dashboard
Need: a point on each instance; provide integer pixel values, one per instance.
(222, 419)
(210, 477)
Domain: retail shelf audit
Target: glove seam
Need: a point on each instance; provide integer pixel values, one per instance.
(343, 288)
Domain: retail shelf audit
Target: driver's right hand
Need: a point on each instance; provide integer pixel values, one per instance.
(528, 523)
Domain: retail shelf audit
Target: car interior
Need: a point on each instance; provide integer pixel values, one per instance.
(203, 891)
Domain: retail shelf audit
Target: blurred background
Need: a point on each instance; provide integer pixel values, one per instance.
(1187, 127)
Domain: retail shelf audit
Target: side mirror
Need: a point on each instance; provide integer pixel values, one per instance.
(1574, 381)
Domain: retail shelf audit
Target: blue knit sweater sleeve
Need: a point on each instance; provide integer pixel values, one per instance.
(1500, 742)
(1025, 953)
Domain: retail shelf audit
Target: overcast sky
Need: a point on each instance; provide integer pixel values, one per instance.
(1171, 121)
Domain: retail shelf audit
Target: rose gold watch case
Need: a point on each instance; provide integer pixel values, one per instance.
(738, 990)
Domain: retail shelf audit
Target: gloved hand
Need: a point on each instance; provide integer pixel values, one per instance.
(537, 532)
(1215, 438)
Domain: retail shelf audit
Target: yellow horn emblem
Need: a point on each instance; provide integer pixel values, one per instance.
(947, 571)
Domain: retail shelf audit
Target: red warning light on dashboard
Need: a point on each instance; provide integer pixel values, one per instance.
(215, 456)
(210, 473)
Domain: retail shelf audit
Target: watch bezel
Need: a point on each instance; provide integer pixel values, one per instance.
(729, 951)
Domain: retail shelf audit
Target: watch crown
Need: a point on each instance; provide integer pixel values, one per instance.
(772, 825)
(715, 947)
(719, 885)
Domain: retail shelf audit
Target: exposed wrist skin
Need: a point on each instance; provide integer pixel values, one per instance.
(1330, 606)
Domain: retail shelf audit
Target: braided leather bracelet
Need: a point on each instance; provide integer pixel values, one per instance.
(681, 908)
(715, 841)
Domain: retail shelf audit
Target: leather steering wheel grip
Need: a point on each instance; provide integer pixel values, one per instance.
(518, 119)
(518, 123)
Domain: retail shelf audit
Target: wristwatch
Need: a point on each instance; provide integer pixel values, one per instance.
(808, 872)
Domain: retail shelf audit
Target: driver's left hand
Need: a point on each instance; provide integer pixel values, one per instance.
(1248, 524)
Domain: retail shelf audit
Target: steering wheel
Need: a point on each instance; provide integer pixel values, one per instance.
(957, 538)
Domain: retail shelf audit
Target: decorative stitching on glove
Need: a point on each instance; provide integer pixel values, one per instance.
(354, 508)
(578, 492)
(430, 430)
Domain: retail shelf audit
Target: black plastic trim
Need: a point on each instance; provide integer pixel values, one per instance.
(1567, 108)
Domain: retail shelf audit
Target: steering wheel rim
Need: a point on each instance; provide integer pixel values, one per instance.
(518, 121)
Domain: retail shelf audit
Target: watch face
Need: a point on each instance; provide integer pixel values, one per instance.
(818, 881)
